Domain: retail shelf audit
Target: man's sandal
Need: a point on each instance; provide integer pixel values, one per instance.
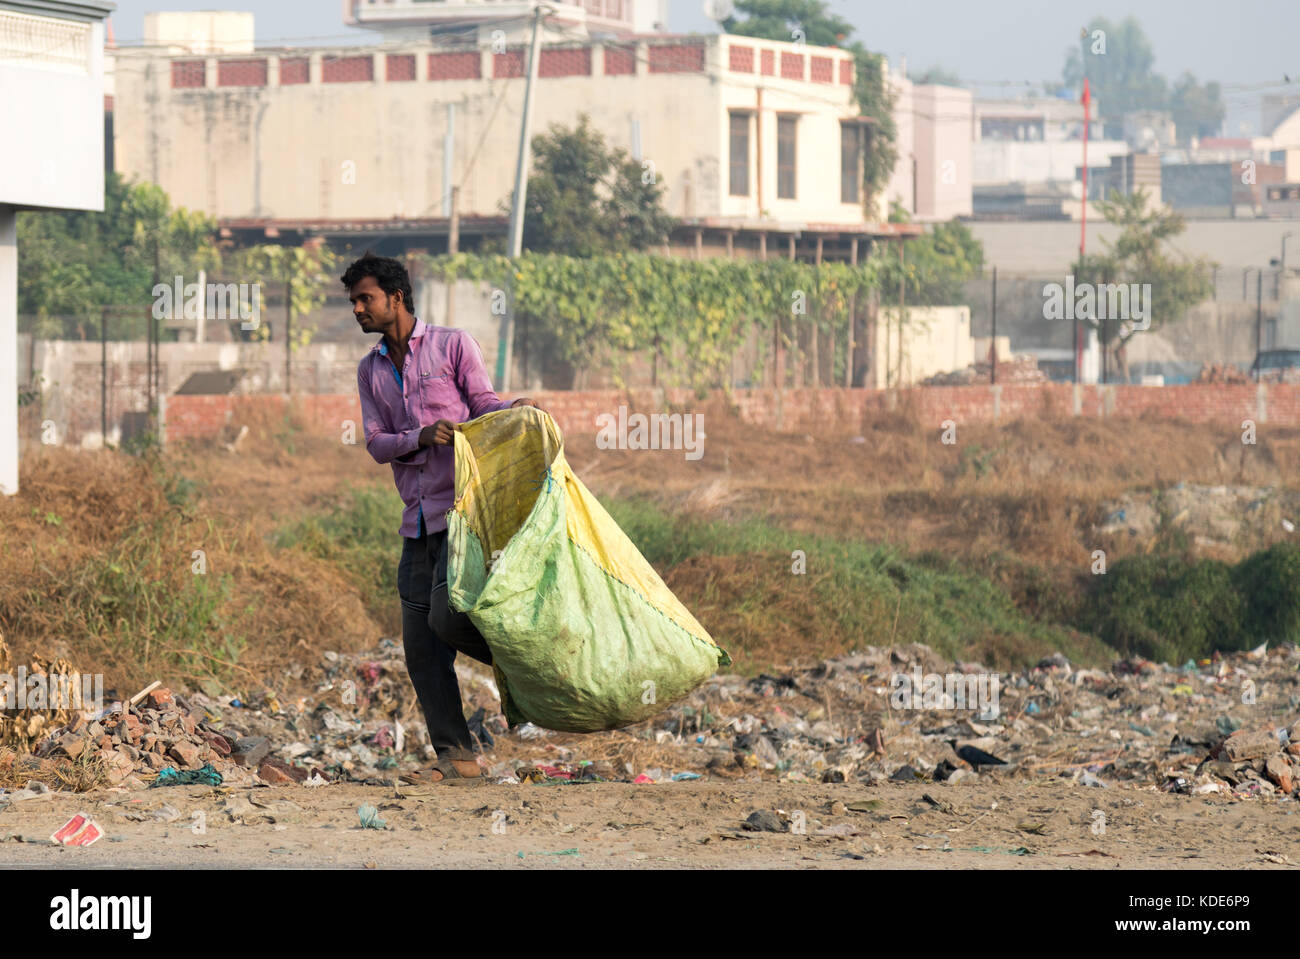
(451, 776)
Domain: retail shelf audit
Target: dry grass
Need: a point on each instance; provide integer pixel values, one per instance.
(1006, 501)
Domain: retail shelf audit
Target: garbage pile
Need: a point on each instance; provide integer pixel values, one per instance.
(1229, 725)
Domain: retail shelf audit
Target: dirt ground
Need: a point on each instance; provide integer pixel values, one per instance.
(990, 824)
(1045, 485)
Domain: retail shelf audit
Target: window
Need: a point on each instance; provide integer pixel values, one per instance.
(852, 138)
(785, 157)
(740, 154)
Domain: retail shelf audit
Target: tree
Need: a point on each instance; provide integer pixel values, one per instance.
(1116, 58)
(76, 262)
(586, 199)
(791, 20)
(1138, 255)
(935, 264)
(937, 75)
(1197, 110)
(307, 270)
(812, 22)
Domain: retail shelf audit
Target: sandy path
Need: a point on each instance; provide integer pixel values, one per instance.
(670, 825)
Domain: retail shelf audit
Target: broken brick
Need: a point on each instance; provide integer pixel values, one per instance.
(1249, 744)
(185, 753)
(160, 697)
(1280, 772)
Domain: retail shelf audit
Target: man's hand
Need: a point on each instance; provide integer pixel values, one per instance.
(439, 434)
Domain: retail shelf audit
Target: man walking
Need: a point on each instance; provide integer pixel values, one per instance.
(415, 384)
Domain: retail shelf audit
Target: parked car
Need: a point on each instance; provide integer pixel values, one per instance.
(1277, 366)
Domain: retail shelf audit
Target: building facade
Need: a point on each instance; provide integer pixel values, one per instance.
(52, 74)
(757, 143)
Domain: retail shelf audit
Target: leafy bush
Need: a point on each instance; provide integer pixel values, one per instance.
(1169, 608)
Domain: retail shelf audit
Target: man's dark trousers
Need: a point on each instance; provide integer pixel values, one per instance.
(432, 634)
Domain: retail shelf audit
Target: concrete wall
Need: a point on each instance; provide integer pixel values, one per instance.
(374, 149)
(70, 376)
(935, 339)
(1014, 161)
(1049, 247)
(943, 151)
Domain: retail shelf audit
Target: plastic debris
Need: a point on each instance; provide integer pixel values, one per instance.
(171, 776)
(561, 852)
(369, 816)
(80, 830)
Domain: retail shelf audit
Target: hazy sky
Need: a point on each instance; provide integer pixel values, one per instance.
(1247, 45)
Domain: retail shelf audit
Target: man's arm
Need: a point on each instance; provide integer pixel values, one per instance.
(382, 445)
(472, 378)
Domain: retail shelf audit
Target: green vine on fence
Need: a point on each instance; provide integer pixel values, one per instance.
(693, 315)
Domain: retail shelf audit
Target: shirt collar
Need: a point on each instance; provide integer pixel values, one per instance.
(416, 332)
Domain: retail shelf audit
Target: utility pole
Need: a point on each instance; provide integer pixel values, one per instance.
(506, 350)
(993, 309)
(288, 334)
(1259, 321)
(1083, 224)
(103, 377)
(902, 301)
(453, 247)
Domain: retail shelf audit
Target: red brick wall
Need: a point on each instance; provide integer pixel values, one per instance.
(347, 69)
(189, 417)
(508, 64)
(565, 62)
(399, 67)
(241, 73)
(676, 58)
(188, 73)
(294, 70)
(454, 66)
(620, 60)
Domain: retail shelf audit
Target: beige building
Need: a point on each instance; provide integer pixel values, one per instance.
(757, 143)
(932, 179)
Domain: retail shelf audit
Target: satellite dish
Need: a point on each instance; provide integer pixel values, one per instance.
(718, 10)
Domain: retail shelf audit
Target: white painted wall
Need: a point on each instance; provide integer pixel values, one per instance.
(935, 339)
(52, 109)
(1038, 161)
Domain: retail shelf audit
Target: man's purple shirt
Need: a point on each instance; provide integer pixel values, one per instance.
(443, 378)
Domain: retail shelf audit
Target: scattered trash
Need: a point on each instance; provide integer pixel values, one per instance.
(80, 830)
(35, 789)
(369, 816)
(562, 852)
(764, 820)
(171, 776)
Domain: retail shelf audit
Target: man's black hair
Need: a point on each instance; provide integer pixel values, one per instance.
(388, 273)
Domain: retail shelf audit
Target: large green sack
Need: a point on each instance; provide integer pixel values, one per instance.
(584, 634)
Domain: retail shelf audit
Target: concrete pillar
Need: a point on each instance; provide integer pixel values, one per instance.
(8, 350)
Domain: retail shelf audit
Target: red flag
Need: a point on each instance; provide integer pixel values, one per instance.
(1087, 94)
